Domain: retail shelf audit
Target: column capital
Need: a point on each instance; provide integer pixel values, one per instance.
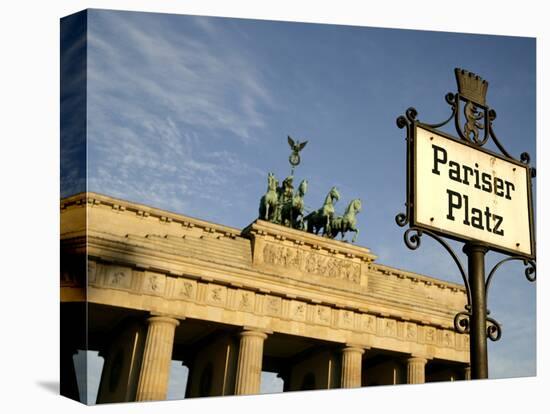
(258, 334)
(163, 319)
(415, 358)
(355, 348)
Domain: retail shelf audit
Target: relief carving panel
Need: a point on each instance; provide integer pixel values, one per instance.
(245, 301)
(369, 323)
(153, 283)
(298, 310)
(411, 332)
(216, 294)
(345, 319)
(310, 262)
(430, 334)
(92, 271)
(273, 305)
(118, 277)
(186, 289)
(322, 315)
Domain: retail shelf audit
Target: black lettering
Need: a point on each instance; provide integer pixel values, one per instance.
(487, 183)
(466, 211)
(488, 218)
(454, 171)
(453, 204)
(437, 159)
(508, 186)
(499, 186)
(467, 170)
(477, 220)
(476, 172)
(498, 222)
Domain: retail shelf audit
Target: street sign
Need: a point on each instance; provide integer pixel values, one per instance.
(470, 194)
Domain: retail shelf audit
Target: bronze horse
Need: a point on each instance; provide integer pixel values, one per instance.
(321, 219)
(347, 222)
(269, 201)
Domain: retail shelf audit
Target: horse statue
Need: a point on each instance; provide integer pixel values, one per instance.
(321, 219)
(270, 200)
(347, 222)
(292, 214)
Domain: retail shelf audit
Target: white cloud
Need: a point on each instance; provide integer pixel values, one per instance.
(157, 100)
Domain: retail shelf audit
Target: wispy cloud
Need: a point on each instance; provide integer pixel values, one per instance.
(154, 93)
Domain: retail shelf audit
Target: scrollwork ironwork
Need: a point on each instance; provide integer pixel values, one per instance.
(462, 322)
(401, 219)
(413, 240)
(530, 271)
(494, 330)
(450, 98)
(411, 114)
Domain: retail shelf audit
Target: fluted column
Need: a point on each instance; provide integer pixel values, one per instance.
(416, 370)
(351, 367)
(467, 372)
(249, 365)
(155, 368)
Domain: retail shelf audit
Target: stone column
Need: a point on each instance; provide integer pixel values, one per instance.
(416, 370)
(467, 372)
(249, 365)
(155, 368)
(351, 367)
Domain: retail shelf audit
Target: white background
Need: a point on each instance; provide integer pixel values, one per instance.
(29, 163)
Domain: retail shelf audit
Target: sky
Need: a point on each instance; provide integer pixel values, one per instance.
(189, 114)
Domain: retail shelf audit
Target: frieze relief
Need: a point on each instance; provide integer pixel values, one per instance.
(245, 301)
(345, 319)
(186, 289)
(121, 277)
(322, 315)
(153, 283)
(430, 335)
(92, 272)
(118, 277)
(369, 323)
(411, 332)
(273, 305)
(298, 310)
(310, 262)
(447, 339)
(389, 327)
(216, 294)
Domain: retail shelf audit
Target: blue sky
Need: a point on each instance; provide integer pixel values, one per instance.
(189, 114)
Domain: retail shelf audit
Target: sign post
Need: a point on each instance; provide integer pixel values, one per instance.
(456, 189)
(478, 339)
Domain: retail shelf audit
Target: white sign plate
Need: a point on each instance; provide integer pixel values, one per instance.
(470, 194)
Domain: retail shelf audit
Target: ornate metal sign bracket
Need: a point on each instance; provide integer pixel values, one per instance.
(473, 121)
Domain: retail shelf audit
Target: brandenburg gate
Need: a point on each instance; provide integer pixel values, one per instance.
(144, 286)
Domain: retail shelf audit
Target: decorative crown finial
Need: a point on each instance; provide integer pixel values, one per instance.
(471, 86)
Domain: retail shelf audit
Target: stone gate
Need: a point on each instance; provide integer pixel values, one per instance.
(144, 286)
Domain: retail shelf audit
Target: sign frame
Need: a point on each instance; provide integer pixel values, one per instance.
(412, 200)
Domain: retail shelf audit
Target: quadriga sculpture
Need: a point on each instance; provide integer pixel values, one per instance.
(269, 201)
(321, 219)
(347, 222)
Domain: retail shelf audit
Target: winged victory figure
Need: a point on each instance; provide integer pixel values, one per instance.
(296, 147)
